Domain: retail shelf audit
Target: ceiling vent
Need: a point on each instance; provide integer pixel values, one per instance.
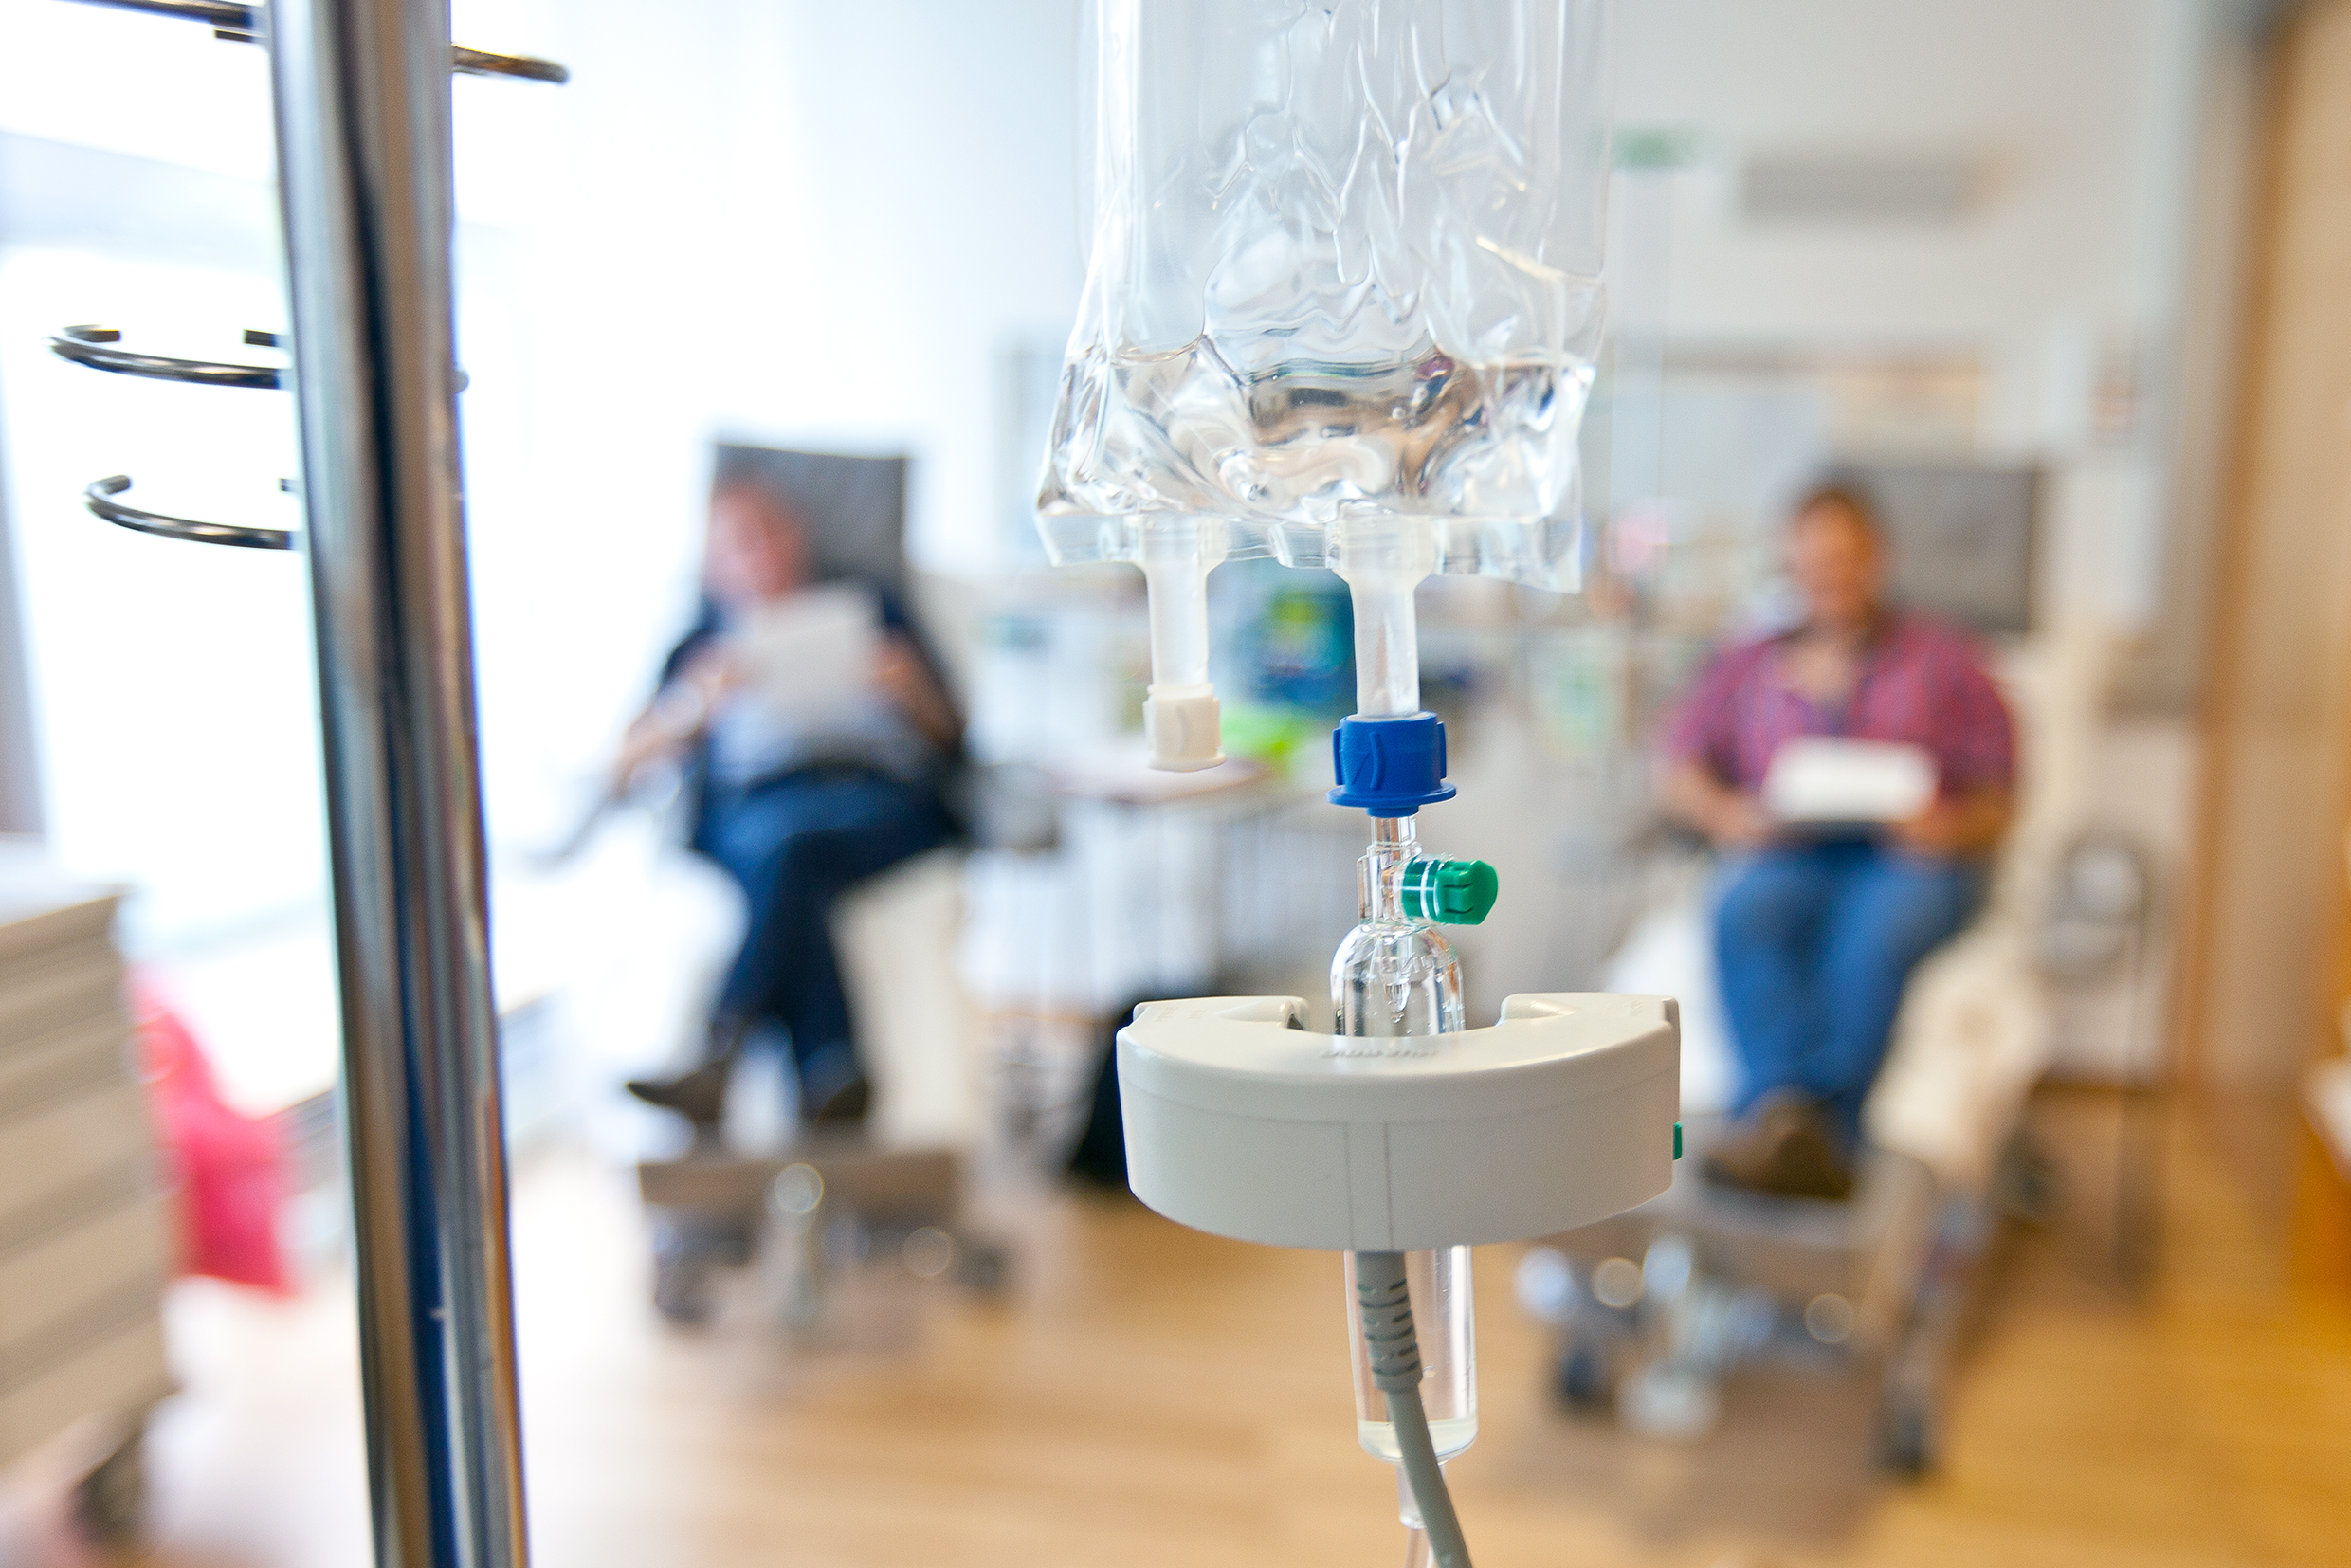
(1833, 187)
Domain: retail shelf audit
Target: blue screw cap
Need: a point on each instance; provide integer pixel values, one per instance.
(1392, 766)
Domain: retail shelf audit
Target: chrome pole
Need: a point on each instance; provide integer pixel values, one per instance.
(363, 150)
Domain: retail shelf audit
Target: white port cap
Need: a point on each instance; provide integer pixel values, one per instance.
(1184, 727)
(1243, 1125)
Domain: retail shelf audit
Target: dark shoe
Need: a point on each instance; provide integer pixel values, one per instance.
(1810, 1163)
(1744, 1152)
(848, 1104)
(833, 1090)
(698, 1096)
(1783, 1146)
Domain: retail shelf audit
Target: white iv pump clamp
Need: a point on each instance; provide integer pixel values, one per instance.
(1398, 1129)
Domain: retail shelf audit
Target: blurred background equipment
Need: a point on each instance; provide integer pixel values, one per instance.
(1964, 539)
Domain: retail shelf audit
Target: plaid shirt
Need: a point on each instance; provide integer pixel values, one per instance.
(1921, 683)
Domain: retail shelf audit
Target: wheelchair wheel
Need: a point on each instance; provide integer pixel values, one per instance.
(1908, 1434)
(1582, 1382)
(681, 1290)
(982, 1268)
(110, 1503)
(2028, 1183)
(688, 1255)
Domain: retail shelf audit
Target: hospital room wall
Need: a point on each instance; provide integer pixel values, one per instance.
(2067, 277)
(2267, 975)
(813, 223)
(883, 197)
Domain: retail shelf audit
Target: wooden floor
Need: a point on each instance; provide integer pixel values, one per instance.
(1150, 1397)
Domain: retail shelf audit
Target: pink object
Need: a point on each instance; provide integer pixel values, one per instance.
(229, 1169)
(1922, 684)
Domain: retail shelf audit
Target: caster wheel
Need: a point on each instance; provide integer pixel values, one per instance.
(1906, 1438)
(687, 1258)
(729, 1244)
(681, 1290)
(110, 1503)
(1582, 1382)
(982, 1268)
(2030, 1184)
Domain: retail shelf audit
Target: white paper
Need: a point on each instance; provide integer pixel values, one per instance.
(810, 655)
(1825, 779)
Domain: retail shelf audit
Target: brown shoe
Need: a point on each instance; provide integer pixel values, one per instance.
(846, 1105)
(1744, 1152)
(1784, 1147)
(1810, 1163)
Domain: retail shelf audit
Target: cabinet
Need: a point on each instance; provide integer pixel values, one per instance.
(83, 1245)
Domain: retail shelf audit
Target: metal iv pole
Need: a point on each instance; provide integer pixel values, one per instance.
(365, 178)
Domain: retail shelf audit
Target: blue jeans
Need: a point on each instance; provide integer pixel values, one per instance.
(1813, 944)
(795, 844)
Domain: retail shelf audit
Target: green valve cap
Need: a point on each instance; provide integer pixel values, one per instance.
(1451, 892)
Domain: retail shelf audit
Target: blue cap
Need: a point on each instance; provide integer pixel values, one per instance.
(1389, 766)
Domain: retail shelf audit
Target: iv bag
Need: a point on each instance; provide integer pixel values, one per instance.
(1345, 270)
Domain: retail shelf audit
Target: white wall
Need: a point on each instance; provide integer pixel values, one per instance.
(2066, 101)
(795, 222)
(2084, 114)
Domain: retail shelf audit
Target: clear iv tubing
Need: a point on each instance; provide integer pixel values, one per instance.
(1177, 554)
(1382, 560)
(1398, 978)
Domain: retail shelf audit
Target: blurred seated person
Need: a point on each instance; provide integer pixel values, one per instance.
(1817, 927)
(817, 731)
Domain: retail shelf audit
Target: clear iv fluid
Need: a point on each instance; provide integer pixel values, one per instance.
(1301, 443)
(1445, 1317)
(1390, 983)
(1343, 267)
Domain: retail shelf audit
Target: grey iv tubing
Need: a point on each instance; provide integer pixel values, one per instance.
(1385, 1306)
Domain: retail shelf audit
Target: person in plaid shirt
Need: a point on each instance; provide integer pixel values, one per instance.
(1815, 938)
